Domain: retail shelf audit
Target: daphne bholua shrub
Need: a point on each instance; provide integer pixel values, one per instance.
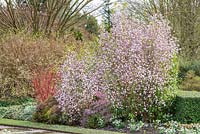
(79, 96)
(132, 67)
(99, 112)
(135, 62)
(75, 94)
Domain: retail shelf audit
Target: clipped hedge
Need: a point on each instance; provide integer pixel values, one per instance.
(187, 107)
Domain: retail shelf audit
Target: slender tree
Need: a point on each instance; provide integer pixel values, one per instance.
(107, 15)
(91, 25)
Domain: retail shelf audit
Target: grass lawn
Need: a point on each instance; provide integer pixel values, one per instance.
(58, 128)
(188, 94)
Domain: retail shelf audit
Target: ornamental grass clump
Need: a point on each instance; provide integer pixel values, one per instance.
(136, 64)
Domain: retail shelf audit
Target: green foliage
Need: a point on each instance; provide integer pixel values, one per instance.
(107, 15)
(95, 121)
(121, 113)
(135, 126)
(164, 113)
(78, 35)
(117, 123)
(191, 82)
(14, 101)
(187, 107)
(18, 112)
(92, 25)
(49, 112)
(185, 66)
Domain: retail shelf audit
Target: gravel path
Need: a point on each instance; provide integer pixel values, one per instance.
(17, 130)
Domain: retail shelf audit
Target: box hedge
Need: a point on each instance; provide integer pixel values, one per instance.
(187, 107)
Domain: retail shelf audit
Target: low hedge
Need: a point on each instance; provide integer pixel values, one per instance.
(187, 107)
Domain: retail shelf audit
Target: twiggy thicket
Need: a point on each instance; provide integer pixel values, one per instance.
(46, 16)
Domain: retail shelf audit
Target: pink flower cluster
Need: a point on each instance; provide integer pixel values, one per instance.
(75, 94)
(133, 62)
(137, 60)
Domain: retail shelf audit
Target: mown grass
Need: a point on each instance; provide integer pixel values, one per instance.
(58, 128)
(188, 94)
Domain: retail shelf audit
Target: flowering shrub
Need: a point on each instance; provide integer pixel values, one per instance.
(100, 106)
(133, 67)
(44, 84)
(75, 94)
(135, 63)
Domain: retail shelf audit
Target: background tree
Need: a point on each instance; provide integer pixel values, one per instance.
(44, 16)
(107, 14)
(92, 25)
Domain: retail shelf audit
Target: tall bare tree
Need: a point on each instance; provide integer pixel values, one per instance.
(44, 16)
